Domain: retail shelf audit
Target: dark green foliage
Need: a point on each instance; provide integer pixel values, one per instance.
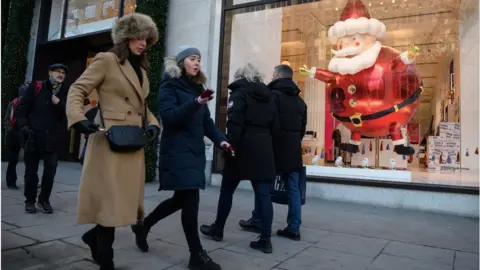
(15, 49)
(157, 9)
(5, 11)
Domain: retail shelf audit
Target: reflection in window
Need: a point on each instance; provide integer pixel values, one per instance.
(130, 6)
(55, 26)
(88, 16)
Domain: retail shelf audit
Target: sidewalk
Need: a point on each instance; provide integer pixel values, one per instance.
(334, 236)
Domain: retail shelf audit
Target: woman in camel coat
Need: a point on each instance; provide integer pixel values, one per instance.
(112, 185)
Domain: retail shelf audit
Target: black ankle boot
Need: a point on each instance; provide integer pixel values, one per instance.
(105, 239)
(201, 261)
(140, 236)
(263, 245)
(90, 239)
(212, 231)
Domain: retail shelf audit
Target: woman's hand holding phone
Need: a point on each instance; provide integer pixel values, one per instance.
(206, 96)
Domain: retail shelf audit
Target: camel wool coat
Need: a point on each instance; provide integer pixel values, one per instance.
(112, 185)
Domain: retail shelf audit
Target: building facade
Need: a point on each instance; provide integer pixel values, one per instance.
(442, 129)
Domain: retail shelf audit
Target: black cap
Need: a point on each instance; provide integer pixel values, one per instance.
(58, 66)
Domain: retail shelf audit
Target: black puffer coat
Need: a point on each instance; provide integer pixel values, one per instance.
(185, 123)
(292, 112)
(252, 122)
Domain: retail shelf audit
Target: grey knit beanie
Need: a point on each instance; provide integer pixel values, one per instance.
(186, 51)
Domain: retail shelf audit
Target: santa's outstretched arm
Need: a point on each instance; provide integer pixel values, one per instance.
(319, 74)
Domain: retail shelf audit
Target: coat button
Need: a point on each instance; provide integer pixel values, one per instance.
(352, 102)
(352, 89)
(127, 99)
(129, 113)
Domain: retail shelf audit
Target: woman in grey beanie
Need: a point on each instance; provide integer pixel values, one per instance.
(186, 120)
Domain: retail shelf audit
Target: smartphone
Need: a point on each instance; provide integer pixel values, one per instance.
(207, 93)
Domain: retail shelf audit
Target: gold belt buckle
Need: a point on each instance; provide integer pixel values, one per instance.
(356, 119)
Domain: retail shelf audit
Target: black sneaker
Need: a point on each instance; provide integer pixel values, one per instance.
(201, 261)
(30, 208)
(212, 231)
(12, 187)
(45, 207)
(287, 233)
(140, 236)
(249, 226)
(264, 246)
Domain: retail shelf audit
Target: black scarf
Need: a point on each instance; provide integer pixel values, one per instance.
(195, 87)
(135, 62)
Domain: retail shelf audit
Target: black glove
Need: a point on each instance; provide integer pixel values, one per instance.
(152, 132)
(86, 127)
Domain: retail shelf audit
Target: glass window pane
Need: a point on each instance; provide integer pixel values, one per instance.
(401, 80)
(87, 16)
(55, 25)
(130, 6)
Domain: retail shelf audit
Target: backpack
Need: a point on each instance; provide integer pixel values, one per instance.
(15, 101)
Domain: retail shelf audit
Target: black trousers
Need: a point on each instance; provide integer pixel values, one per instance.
(188, 201)
(32, 160)
(13, 148)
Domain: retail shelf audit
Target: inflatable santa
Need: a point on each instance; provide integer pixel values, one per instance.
(374, 90)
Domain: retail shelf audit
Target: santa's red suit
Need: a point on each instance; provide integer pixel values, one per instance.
(378, 100)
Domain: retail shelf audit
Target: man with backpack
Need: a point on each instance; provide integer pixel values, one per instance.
(13, 140)
(40, 116)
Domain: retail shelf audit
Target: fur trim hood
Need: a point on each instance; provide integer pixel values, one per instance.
(171, 67)
(135, 25)
(173, 71)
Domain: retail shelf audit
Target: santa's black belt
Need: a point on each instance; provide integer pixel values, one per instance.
(357, 119)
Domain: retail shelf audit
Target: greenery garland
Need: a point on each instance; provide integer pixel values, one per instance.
(157, 9)
(15, 50)
(5, 10)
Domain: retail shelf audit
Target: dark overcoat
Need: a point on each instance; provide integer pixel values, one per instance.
(292, 113)
(251, 124)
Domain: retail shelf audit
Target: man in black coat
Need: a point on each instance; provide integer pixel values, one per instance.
(252, 124)
(41, 119)
(292, 112)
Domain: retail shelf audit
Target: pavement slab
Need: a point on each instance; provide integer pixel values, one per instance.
(335, 236)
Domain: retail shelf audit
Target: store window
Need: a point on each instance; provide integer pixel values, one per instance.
(56, 14)
(88, 16)
(394, 91)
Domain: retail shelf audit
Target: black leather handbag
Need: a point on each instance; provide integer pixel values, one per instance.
(125, 138)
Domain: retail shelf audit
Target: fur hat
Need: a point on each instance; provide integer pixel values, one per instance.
(135, 25)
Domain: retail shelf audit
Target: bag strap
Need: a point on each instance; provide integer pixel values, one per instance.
(144, 118)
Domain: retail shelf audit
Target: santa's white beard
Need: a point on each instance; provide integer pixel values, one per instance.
(357, 63)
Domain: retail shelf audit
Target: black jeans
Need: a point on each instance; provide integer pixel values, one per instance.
(13, 148)
(262, 201)
(187, 201)
(32, 160)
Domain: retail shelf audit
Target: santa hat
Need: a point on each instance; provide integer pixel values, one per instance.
(355, 19)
